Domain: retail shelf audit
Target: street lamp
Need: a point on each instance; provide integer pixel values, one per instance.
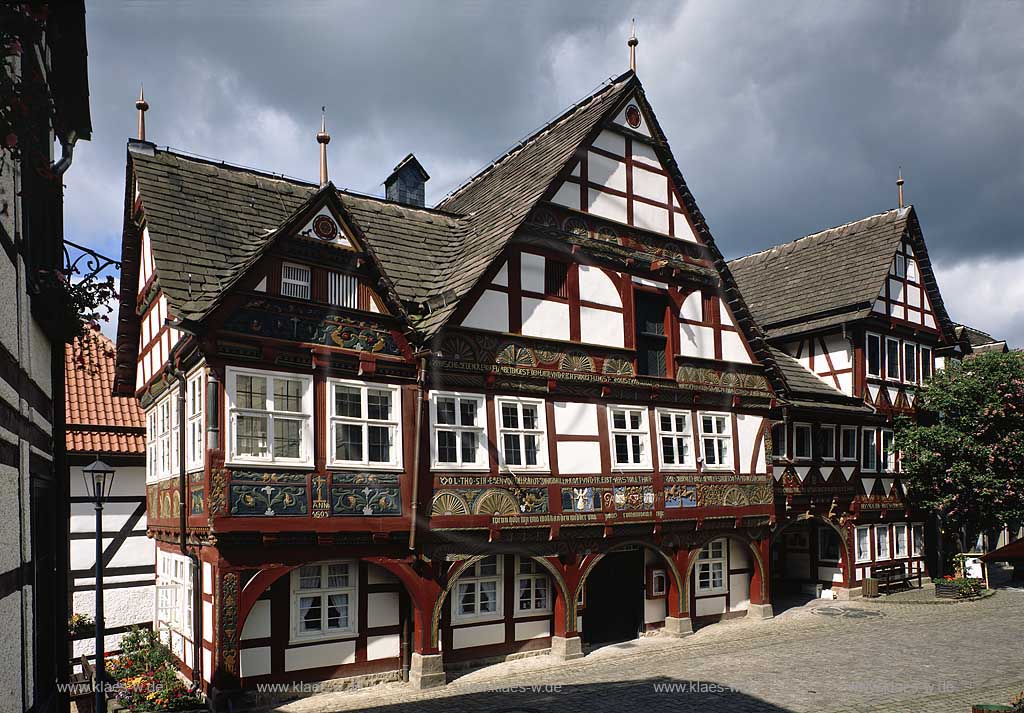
(99, 478)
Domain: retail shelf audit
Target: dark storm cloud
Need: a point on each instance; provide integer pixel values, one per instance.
(785, 117)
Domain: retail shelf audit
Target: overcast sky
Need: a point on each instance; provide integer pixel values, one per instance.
(786, 118)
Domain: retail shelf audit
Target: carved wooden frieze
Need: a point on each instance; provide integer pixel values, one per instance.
(268, 500)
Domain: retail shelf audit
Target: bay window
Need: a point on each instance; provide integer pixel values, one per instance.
(270, 417)
(365, 423)
(630, 437)
(711, 568)
(676, 438)
(459, 432)
(521, 426)
(716, 440)
(478, 591)
(194, 422)
(323, 600)
(533, 586)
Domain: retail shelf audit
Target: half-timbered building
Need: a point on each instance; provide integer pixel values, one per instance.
(386, 439)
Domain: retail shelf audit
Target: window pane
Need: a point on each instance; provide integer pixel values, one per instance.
(892, 359)
(251, 393)
(446, 410)
(618, 419)
(337, 575)
(347, 402)
(251, 435)
(467, 411)
(380, 444)
(378, 404)
(525, 593)
(287, 438)
(540, 593)
(488, 566)
(638, 450)
(710, 455)
(287, 395)
(446, 449)
(469, 442)
(665, 421)
(488, 597)
(530, 417)
(874, 355)
(337, 611)
(683, 449)
(668, 455)
(706, 425)
(621, 449)
(530, 449)
(348, 442)
(309, 614)
(467, 598)
(513, 456)
(634, 420)
(509, 416)
(309, 577)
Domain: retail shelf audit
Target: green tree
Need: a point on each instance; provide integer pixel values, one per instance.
(965, 459)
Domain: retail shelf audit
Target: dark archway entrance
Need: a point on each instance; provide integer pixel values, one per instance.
(613, 598)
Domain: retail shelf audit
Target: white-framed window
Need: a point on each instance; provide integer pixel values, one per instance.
(163, 410)
(711, 568)
(630, 437)
(716, 440)
(829, 545)
(892, 359)
(901, 266)
(270, 417)
(533, 587)
(869, 455)
(194, 422)
(862, 544)
(522, 444)
(910, 362)
(900, 545)
(342, 290)
(459, 428)
(926, 364)
(324, 598)
(780, 449)
(174, 593)
(882, 543)
(826, 442)
(675, 436)
(659, 584)
(152, 447)
(296, 280)
(478, 591)
(848, 443)
(873, 355)
(917, 532)
(366, 424)
(802, 441)
(888, 451)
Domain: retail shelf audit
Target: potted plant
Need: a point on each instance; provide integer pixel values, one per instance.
(950, 587)
(81, 626)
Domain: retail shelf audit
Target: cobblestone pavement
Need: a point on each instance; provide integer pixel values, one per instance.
(829, 657)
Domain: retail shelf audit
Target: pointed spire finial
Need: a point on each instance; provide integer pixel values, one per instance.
(632, 42)
(143, 106)
(899, 186)
(323, 138)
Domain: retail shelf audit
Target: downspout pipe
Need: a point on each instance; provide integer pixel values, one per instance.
(67, 153)
(417, 439)
(176, 373)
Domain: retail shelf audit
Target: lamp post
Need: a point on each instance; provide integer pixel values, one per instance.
(99, 477)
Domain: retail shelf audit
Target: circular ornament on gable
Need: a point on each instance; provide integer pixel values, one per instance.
(325, 228)
(633, 116)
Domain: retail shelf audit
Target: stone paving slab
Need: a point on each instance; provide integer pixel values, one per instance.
(828, 657)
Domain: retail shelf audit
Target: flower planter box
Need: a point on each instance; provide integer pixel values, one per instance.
(947, 590)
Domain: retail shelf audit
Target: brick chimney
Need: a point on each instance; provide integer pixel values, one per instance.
(407, 181)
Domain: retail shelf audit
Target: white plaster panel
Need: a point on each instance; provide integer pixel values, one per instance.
(650, 185)
(207, 664)
(650, 217)
(654, 610)
(914, 297)
(846, 383)
(465, 637)
(739, 592)
(697, 341)
(599, 326)
(747, 427)
(532, 629)
(606, 205)
(724, 314)
(208, 621)
(897, 310)
(612, 142)
(575, 419)
(621, 119)
(379, 575)
(710, 606)
(501, 276)
(257, 624)
(333, 654)
(254, 662)
(568, 194)
(207, 578)
(739, 554)
(578, 457)
(382, 609)
(575, 170)
(693, 307)
(896, 290)
(9, 307)
(531, 272)
(545, 318)
(123, 606)
(929, 321)
(490, 312)
(596, 286)
(644, 154)
(382, 647)
(606, 171)
(830, 574)
(734, 349)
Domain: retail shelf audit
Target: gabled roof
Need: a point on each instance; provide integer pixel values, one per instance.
(980, 341)
(97, 422)
(208, 222)
(823, 279)
(806, 390)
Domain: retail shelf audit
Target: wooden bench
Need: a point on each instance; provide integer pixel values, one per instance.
(889, 574)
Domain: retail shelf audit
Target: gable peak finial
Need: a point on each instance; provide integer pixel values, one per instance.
(142, 106)
(323, 138)
(632, 42)
(899, 186)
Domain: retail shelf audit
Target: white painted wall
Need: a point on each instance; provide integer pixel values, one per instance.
(599, 326)
(334, 653)
(532, 629)
(480, 635)
(545, 318)
(747, 428)
(578, 457)
(596, 286)
(490, 312)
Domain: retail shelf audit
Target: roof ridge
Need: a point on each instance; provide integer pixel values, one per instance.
(529, 138)
(818, 233)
